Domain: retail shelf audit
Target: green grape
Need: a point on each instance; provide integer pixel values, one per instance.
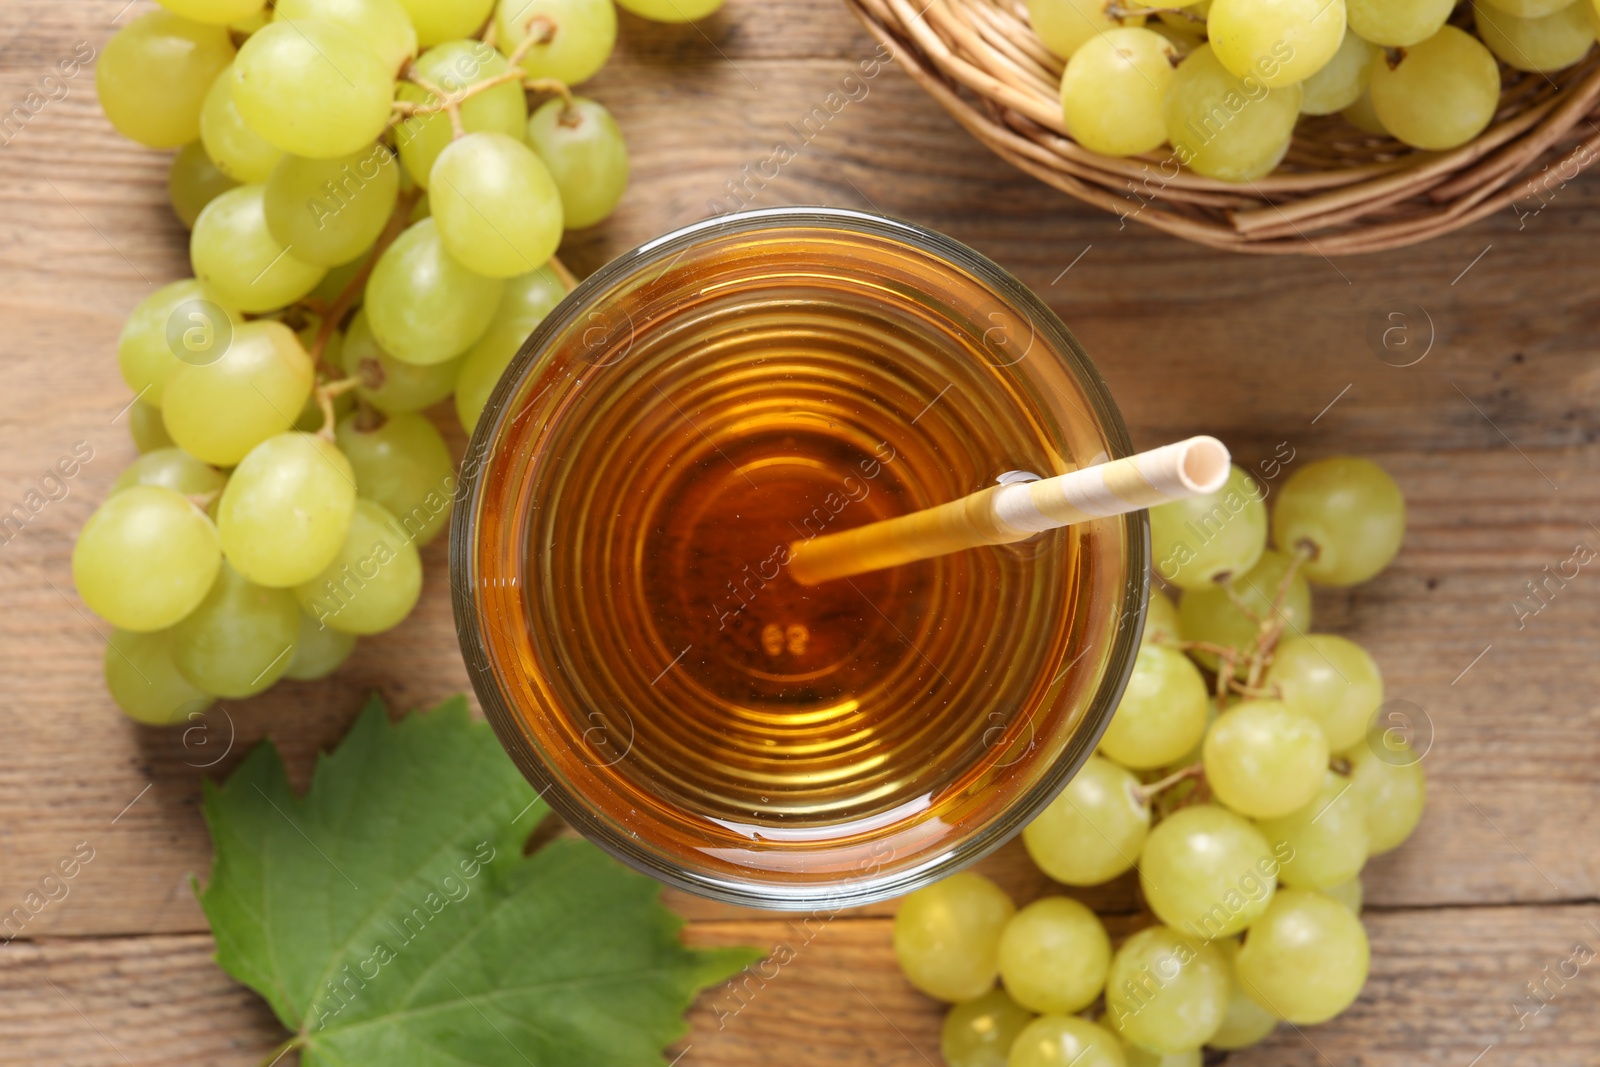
(1064, 25)
(1441, 93)
(1166, 991)
(947, 936)
(1531, 9)
(481, 369)
(287, 509)
(1276, 42)
(1397, 23)
(1341, 81)
(219, 411)
(455, 67)
(1246, 1022)
(330, 211)
(1325, 841)
(388, 384)
(1306, 959)
(575, 36)
(1143, 1057)
(1160, 620)
(1207, 872)
(1347, 893)
(146, 354)
(318, 651)
(979, 1032)
(246, 26)
(1345, 514)
(1183, 41)
(1263, 760)
(171, 468)
(1113, 88)
(240, 640)
(669, 10)
(403, 464)
(338, 278)
(373, 581)
(1392, 787)
(446, 20)
(146, 427)
(1547, 43)
(146, 684)
(313, 87)
(1094, 830)
(1054, 954)
(145, 558)
(497, 209)
(238, 151)
(527, 299)
(1211, 615)
(1361, 114)
(1162, 714)
(1226, 128)
(236, 257)
(424, 307)
(153, 76)
(1203, 540)
(1329, 679)
(1065, 1041)
(382, 24)
(193, 182)
(583, 149)
(215, 11)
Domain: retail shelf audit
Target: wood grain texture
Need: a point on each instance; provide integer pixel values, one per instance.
(1493, 435)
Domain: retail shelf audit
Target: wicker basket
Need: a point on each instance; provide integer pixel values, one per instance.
(1339, 190)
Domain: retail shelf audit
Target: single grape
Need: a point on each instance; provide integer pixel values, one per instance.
(193, 182)
(1163, 711)
(145, 558)
(146, 684)
(454, 67)
(146, 428)
(330, 211)
(1064, 25)
(1325, 842)
(318, 651)
(1166, 991)
(1342, 79)
(313, 88)
(1531, 9)
(1306, 959)
(171, 468)
(1215, 616)
(1547, 43)
(1440, 93)
(1246, 1023)
(388, 384)
(575, 36)
(424, 307)
(1160, 620)
(1138, 1056)
(153, 76)
(1329, 679)
(236, 257)
(497, 208)
(1275, 42)
(1184, 38)
(1345, 514)
(1263, 760)
(527, 299)
(382, 24)
(1113, 88)
(481, 369)
(1397, 23)
(1224, 127)
(181, 312)
(1065, 1041)
(1389, 779)
(947, 936)
(1207, 872)
(1203, 540)
(669, 10)
(402, 462)
(219, 411)
(1094, 830)
(583, 149)
(1054, 954)
(240, 640)
(219, 12)
(238, 151)
(287, 509)
(1347, 893)
(1361, 114)
(979, 1032)
(446, 20)
(373, 581)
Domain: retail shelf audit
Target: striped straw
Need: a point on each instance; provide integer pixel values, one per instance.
(1003, 514)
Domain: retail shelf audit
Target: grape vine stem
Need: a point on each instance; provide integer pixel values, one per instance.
(569, 280)
(1147, 793)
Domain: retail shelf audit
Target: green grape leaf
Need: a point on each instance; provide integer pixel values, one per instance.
(389, 916)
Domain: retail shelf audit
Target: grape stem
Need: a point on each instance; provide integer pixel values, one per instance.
(569, 280)
(357, 285)
(1272, 629)
(1147, 793)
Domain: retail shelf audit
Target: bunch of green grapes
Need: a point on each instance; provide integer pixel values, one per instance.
(1244, 774)
(376, 190)
(1223, 82)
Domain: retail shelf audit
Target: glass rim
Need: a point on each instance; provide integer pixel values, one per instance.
(615, 840)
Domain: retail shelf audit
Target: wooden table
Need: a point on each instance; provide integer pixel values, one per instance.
(1492, 435)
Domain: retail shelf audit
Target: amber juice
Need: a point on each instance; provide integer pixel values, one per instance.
(624, 593)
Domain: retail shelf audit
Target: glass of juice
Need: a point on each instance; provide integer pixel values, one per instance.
(629, 502)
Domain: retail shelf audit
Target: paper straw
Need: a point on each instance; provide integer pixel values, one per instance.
(1003, 514)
